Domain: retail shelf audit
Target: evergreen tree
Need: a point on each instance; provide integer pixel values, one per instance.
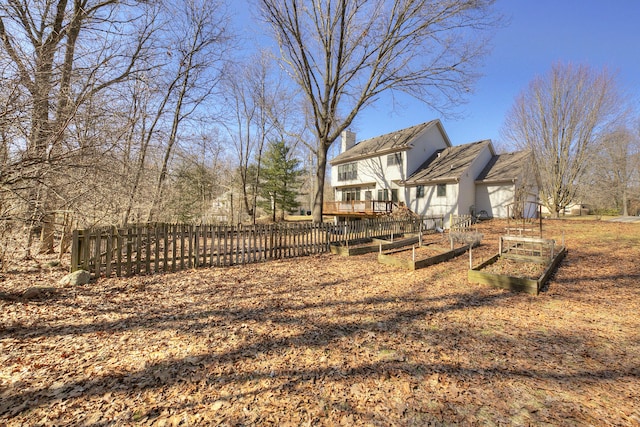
(279, 180)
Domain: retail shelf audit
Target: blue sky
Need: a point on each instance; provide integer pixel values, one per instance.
(540, 33)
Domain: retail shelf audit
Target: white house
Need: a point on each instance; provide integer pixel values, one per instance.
(507, 186)
(445, 183)
(420, 168)
(374, 169)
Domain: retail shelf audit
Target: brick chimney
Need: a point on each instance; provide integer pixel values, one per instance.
(348, 140)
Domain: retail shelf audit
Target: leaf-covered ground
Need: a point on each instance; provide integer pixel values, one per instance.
(330, 340)
(415, 252)
(520, 269)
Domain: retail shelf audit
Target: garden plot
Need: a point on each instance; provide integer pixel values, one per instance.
(522, 264)
(369, 245)
(430, 253)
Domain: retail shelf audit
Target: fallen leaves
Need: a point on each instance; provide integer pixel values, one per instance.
(328, 340)
(511, 268)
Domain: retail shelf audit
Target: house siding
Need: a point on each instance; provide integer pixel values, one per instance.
(423, 148)
(375, 169)
(373, 175)
(497, 200)
(494, 199)
(467, 184)
(532, 207)
(432, 205)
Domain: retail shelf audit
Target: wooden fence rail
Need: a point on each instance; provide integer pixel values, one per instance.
(154, 248)
(460, 222)
(527, 248)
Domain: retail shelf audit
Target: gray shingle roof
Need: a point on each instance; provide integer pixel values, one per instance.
(448, 164)
(388, 143)
(504, 167)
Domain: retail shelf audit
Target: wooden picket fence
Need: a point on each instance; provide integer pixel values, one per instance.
(460, 222)
(154, 248)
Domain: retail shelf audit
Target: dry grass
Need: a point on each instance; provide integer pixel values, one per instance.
(331, 340)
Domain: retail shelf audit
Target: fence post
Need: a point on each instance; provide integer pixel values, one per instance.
(129, 249)
(147, 249)
(138, 249)
(190, 248)
(119, 252)
(156, 248)
(196, 247)
(76, 242)
(97, 252)
(109, 253)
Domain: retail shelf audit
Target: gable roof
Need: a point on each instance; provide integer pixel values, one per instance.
(388, 143)
(504, 167)
(449, 164)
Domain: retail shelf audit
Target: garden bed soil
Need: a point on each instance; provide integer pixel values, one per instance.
(424, 256)
(516, 275)
(512, 268)
(368, 245)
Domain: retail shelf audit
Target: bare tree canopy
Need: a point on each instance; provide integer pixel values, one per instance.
(560, 118)
(199, 44)
(100, 101)
(616, 167)
(345, 54)
(63, 54)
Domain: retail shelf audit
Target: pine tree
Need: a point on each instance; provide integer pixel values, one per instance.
(279, 183)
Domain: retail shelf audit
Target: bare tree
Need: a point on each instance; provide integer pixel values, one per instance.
(615, 166)
(344, 54)
(199, 45)
(246, 89)
(196, 178)
(43, 42)
(140, 129)
(260, 107)
(560, 118)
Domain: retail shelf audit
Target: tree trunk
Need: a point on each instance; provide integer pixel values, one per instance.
(47, 231)
(177, 113)
(273, 210)
(318, 185)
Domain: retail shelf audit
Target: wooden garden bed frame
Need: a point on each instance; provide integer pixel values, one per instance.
(391, 258)
(523, 249)
(369, 245)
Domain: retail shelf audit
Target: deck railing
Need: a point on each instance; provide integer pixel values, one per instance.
(358, 207)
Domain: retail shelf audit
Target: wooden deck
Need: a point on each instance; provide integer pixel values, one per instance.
(358, 208)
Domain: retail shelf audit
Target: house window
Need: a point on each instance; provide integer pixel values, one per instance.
(348, 172)
(383, 194)
(394, 195)
(442, 190)
(349, 194)
(419, 191)
(367, 195)
(394, 159)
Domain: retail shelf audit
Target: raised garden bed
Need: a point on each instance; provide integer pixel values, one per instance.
(369, 245)
(520, 272)
(421, 257)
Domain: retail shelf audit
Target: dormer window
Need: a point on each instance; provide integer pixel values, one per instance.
(394, 159)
